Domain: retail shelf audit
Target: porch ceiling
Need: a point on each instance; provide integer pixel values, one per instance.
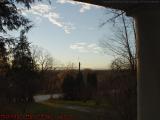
(125, 5)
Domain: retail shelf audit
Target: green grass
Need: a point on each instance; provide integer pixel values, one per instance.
(51, 108)
(89, 103)
(35, 108)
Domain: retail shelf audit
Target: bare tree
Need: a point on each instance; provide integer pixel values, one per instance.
(47, 66)
(43, 59)
(120, 85)
(122, 45)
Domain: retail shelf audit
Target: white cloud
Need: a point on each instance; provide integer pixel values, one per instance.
(67, 1)
(48, 12)
(38, 20)
(86, 48)
(84, 6)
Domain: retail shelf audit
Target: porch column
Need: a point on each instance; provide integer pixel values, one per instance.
(148, 48)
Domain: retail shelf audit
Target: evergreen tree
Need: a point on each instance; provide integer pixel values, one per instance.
(68, 87)
(11, 18)
(23, 70)
(79, 85)
(3, 57)
(22, 54)
(91, 85)
(3, 69)
(5, 44)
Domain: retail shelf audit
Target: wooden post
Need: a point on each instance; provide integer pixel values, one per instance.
(148, 48)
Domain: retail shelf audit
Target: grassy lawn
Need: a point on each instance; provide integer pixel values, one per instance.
(89, 103)
(55, 108)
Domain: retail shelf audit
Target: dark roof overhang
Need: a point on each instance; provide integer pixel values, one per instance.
(128, 6)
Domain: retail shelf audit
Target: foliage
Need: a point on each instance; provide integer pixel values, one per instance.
(119, 89)
(68, 87)
(11, 19)
(79, 86)
(23, 73)
(18, 69)
(3, 55)
(73, 86)
(91, 85)
(22, 54)
(5, 44)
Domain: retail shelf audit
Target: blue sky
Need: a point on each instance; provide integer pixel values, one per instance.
(70, 32)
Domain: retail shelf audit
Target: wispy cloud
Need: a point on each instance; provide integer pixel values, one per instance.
(86, 48)
(83, 6)
(50, 13)
(38, 20)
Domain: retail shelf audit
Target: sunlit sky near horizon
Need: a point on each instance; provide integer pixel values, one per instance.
(70, 32)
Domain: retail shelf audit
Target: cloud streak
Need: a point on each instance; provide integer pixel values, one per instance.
(86, 48)
(83, 6)
(48, 12)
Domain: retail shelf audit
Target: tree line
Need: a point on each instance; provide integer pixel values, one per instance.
(19, 70)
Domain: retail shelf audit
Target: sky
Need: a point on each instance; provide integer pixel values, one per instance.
(70, 31)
